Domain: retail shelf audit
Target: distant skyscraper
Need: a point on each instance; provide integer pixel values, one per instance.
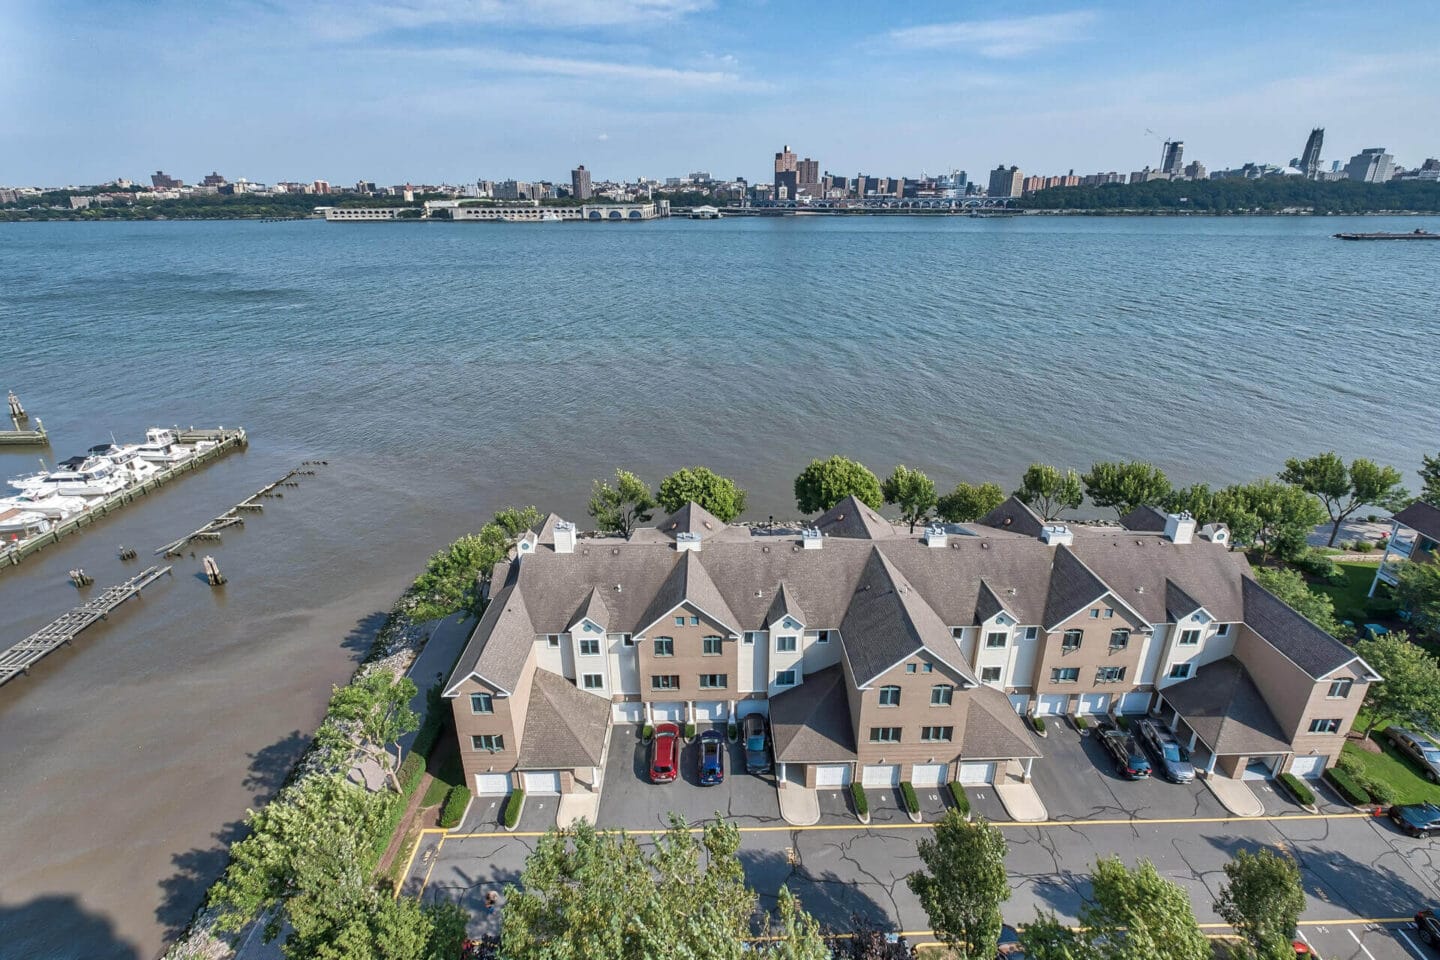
(786, 178)
(1170, 157)
(160, 181)
(580, 183)
(807, 172)
(1371, 165)
(1310, 159)
(1006, 181)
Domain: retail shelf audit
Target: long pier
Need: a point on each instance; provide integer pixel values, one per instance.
(25, 654)
(230, 518)
(225, 441)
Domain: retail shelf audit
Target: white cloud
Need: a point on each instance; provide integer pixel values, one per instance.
(603, 137)
(1011, 37)
(504, 61)
(348, 21)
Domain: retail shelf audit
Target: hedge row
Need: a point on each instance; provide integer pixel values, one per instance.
(455, 805)
(857, 793)
(512, 807)
(1038, 723)
(962, 800)
(1299, 789)
(1347, 787)
(912, 802)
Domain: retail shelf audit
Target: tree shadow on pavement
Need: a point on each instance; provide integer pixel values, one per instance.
(58, 926)
(831, 900)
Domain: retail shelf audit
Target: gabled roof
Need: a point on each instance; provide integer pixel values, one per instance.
(691, 518)
(1178, 603)
(1145, 518)
(564, 726)
(1016, 516)
(1225, 708)
(784, 605)
(1302, 642)
(989, 603)
(1423, 518)
(811, 722)
(1136, 566)
(993, 730)
(856, 520)
(1072, 587)
(688, 582)
(501, 643)
(593, 609)
(888, 620)
(545, 530)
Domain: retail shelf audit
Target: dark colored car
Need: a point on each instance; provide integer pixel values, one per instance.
(665, 753)
(1428, 926)
(712, 758)
(1418, 748)
(1417, 819)
(757, 744)
(1174, 759)
(1008, 946)
(1130, 761)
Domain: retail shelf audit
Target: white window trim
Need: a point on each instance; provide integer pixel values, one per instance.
(780, 680)
(585, 678)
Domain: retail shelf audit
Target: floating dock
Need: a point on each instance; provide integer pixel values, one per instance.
(225, 441)
(25, 654)
(30, 438)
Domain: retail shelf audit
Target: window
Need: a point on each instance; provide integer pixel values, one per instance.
(679, 621)
(493, 742)
(1109, 674)
(990, 674)
(1064, 674)
(785, 678)
(714, 681)
(823, 636)
(694, 621)
(1119, 639)
(1189, 638)
(1340, 689)
(711, 646)
(941, 694)
(910, 668)
(750, 636)
(890, 696)
(664, 646)
(593, 681)
(590, 647)
(661, 681)
(1109, 612)
(884, 734)
(937, 734)
(1031, 633)
(957, 632)
(785, 644)
(1071, 640)
(552, 639)
(482, 703)
(1095, 614)
(994, 640)
(1223, 630)
(1180, 671)
(927, 668)
(626, 639)
(1325, 726)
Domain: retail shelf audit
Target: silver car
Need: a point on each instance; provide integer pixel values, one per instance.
(1174, 760)
(1418, 748)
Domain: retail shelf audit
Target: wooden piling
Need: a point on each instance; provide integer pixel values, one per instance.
(212, 572)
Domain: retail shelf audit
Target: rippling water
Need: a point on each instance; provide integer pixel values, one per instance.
(447, 370)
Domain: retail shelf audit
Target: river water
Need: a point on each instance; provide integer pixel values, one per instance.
(445, 371)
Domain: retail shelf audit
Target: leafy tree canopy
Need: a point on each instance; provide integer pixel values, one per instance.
(720, 495)
(1139, 915)
(1342, 489)
(968, 502)
(1291, 587)
(963, 884)
(1262, 898)
(912, 491)
(1050, 490)
(1410, 692)
(372, 712)
(825, 483)
(1418, 591)
(1271, 517)
(1430, 480)
(622, 507)
(1125, 485)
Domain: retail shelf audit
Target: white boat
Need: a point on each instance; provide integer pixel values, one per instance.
(160, 447)
(21, 524)
(127, 459)
(52, 505)
(91, 477)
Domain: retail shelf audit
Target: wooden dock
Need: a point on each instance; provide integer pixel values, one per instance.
(231, 517)
(225, 441)
(25, 654)
(30, 438)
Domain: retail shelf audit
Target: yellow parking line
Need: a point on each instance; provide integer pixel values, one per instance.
(433, 860)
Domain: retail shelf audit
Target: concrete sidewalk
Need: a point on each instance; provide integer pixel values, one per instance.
(1235, 796)
(1018, 796)
(799, 805)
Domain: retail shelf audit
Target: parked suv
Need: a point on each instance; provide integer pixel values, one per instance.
(712, 758)
(664, 753)
(1174, 759)
(1418, 748)
(1130, 761)
(757, 744)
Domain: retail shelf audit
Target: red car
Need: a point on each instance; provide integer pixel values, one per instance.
(665, 753)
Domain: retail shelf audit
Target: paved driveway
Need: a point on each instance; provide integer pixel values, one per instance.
(629, 800)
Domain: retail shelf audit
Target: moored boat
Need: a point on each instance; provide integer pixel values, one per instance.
(1412, 235)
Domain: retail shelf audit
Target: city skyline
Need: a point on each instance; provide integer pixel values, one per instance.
(657, 87)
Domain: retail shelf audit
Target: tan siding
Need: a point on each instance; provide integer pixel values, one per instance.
(913, 713)
(508, 720)
(1285, 687)
(1320, 706)
(1094, 652)
(689, 662)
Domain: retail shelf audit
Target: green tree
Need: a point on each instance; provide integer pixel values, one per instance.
(1340, 489)
(1430, 480)
(1125, 485)
(720, 495)
(1050, 490)
(1418, 591)
(623, 507)
(1272, 518)
(516, 521)
(1138, 915)
(963, 884)
(372, 712)
(1198, 500)
(1049, 939)
(1262, 898)
(1410, 690)
(912, 491)
(1291, 587)
(452, 577)
(969, 502)
(825, 483)
(797, 936)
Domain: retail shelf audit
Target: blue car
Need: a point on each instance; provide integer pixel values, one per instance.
(712, 758)
(757, 745)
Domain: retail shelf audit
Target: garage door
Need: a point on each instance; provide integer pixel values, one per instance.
(541, 781)
(1093, 703)
(1307, 766)
(674, 712)
(881, 775)
(628, 712)
(711, 710)
(831, 774)
(1258, 769)
(1021, 702)
(929, 774)
(746, 707)
(1133, 703)
(1052, 704)
(976, 773)
(492, 783)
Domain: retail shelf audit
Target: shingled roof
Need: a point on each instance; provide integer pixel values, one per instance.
(501, 643)
(691, 518)
(1225, 708)
(1016, 516)
(1423, 518)
(993, 730)
(1178, 603)
(988, 603)
(564, 726)
(1306, 645)
(688, 582)
(784, 606)
(888, 620)
(1072, 587)
(593, 609)
(1145, 518)
(812, 722)
(856, 520)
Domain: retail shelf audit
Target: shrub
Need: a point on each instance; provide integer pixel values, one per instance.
(912, 802)
(1298, 789)
(1345, 784)
(689, 731)
(512, 808)
(1123, 722)
(455, 805)
(733, 732)
(1038, 723)
(1082, 722)
(1381, 793)
(1363, 546)
(1317, 564)
(411, 769)
(647, 732)
(961, 798)
(862, 804)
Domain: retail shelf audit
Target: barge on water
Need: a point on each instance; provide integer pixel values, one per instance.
(1412, 235)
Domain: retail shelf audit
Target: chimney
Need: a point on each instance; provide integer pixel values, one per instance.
(811, 538)
(935, 536)
(565, 536)
(1179, 528)
(1057, 535)
(686, 540)
(1216, 533)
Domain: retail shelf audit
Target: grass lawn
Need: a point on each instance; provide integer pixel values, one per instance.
(1349, 595)
(451, 773)
(1395, 770)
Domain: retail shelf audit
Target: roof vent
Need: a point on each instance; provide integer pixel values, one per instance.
(1057, 535)
(935, 535)
(811, 539)
(565, 536)
(1179, 528)
(617, 588)
(687, 541)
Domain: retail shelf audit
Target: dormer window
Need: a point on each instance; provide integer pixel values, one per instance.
(785, 644)
(996, 640)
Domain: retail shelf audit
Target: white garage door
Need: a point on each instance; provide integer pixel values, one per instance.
(492, 783)
(881, 775)
(628, 712)
(1307, 766)
(1093, 703)
(541, 781)
(929, 774)
(1051, 704)
(831, 774)
(1133, 703)
(710, 710)
(674, 712)
(976, 773)
(1020, 701)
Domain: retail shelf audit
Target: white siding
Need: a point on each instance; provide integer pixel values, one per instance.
(551, 658)
(1023, 656)
(999, 656)
(598, 663)
(1152, 655)
(787, 659)
(817, 655)
(1211, 647)
(966, 643)
(624, 665)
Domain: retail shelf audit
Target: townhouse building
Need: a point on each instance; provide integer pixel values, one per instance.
(1414, 538)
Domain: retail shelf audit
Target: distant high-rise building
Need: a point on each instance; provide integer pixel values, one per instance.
(320, 186)
(1310, 158)
(580, 187)
(1195, 170)
(1371, 165)
(1170, 157)
(786, 176)
(807, 172)
(1006, 181)
(213, 180)
(160, 181)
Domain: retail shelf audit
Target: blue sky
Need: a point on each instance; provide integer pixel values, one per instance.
(455, 90)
